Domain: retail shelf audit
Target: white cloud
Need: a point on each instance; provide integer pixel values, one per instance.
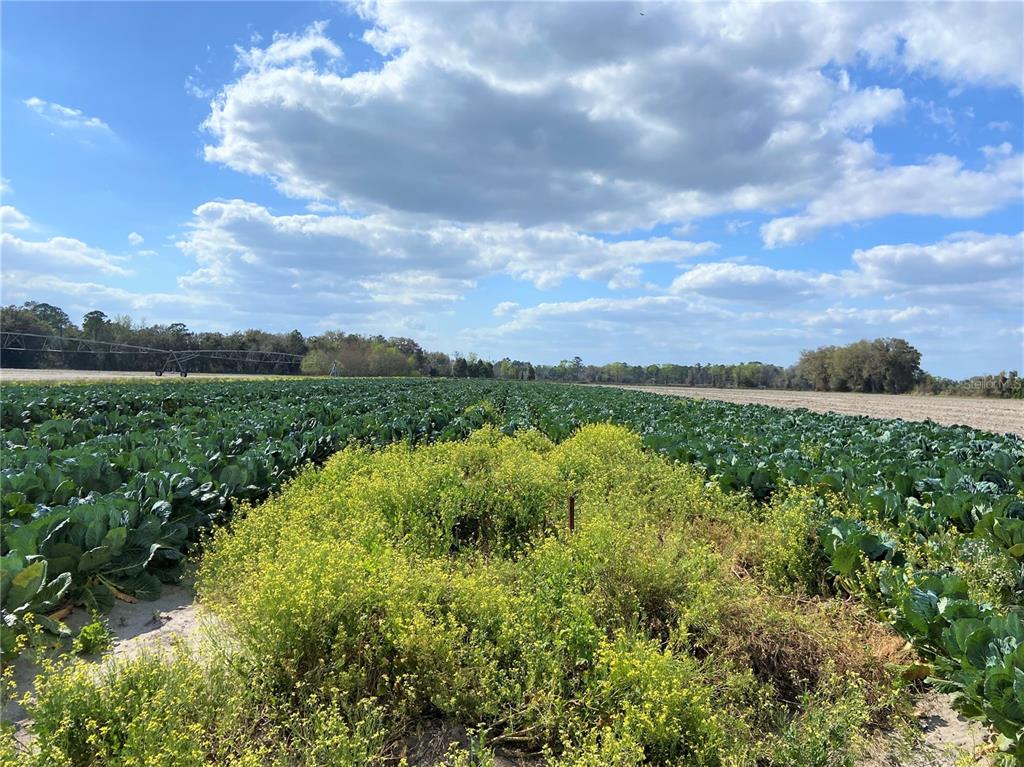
(975, 43)
(537, 115)
(414, 287)
(961, 258)
(849, 317)
(66, 117)
(243, 248)
(970, 269)
(12, 218)
(194, 89)
(321, 207)
(934, 294)
(77, 296)
(288, 49)
(60, 254)
(748, 282)
(597, 313)
(505, 308)
(5, 186)
(863, 110)
(940, 187)
(939, 115)
(995, 152)
(507, 140)
(135, 239)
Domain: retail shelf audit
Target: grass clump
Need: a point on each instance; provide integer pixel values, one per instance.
(410, 588)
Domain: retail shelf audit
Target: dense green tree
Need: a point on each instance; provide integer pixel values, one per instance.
(889, 365)
(55, 317)
(95, 324)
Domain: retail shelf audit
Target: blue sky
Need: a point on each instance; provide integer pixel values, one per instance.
(709, 183)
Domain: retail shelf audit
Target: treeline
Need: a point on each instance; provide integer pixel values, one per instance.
(344, 354)
(746, 375)
(351, 354)
(884, 365)
(46, 319)
(1007, 385)
(892, 366)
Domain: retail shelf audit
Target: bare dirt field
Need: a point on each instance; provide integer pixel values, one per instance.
(995, 415)
(32, 375)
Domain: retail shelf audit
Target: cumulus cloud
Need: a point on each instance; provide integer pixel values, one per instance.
(643, 314)
(978, 43)
(243, 247)
(62, 254)
(289, 48)
(78, 296)
(66, 117)
(931, 293)
(12, 218)
(942, 186)
(748, 282)
(540, 115)
(135, 239)
(980, 272)
(544, 142)
(863, 110)
(505, 308)
(414, 287)
(847, 317)
(638, 330)
(963, 258)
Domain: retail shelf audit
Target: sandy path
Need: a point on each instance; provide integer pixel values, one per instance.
(995, 415)
(946, 739)
(135, 627)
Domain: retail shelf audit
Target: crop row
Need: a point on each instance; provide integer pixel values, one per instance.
(105, 486)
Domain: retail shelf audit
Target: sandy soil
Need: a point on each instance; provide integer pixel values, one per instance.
(136, 627)
(995, 415)
(30, 375)
(946, 739)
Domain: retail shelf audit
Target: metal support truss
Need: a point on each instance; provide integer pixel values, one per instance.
(167, 359)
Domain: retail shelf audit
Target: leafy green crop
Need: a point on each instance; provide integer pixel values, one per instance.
(25, 589)
(108, 485)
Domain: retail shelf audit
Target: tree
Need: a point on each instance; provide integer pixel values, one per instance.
(294, 343)
(15, 319)
(884, 365)
(94, 324)
(577, 368)
(52, 315)
(316, 363)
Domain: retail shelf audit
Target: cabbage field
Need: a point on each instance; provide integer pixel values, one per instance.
(696, 612)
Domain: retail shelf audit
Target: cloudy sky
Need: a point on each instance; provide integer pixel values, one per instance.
(638, 182)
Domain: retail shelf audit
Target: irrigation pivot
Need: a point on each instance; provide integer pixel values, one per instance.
(164, 360)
